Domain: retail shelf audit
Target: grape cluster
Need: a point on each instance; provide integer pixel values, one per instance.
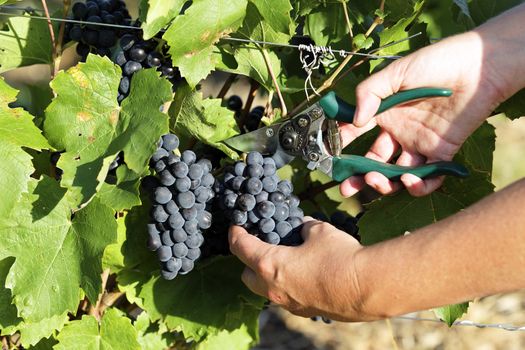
(180, 210)
(136, 54)
(254, 197)
(234, 103)
(92, 37)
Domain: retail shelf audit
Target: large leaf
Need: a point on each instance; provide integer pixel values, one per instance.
(327, 25)
(54, 254)
(204, 120)
(16, 130)
(114, 332)
(23, 42)
(187, 304)
(124, 194)
(278, 28)
(86, 121)
(192, 36)
(276, 13)
(156, 14)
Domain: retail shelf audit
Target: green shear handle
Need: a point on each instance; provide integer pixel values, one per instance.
(348, 165)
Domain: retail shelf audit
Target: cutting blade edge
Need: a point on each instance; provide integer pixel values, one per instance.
(264, 140)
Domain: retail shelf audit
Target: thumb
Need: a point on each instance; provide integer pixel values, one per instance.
(372, 90)
(248, 248)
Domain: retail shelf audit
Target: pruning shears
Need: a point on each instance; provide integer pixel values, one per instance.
(313, 135)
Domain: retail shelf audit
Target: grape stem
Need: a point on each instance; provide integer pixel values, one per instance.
(227, 85)
(254, 86)
(284, 110)
(95, 310)
(52, 36)
(310, 192)
(57, 48)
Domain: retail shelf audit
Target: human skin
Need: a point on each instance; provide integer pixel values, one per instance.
(474, 253)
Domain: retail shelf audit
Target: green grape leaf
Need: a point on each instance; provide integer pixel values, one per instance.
(156, 14)
(114, 332)
(276, 13)
(23, 42)
(17, 130)
(203, 119)
(255, 27)
(152, 338)
(192, 36)
(327, 25)
(7, 309)
(451, 313)
(86, 121)
(238, 339)
(185, 304)
(304, 7)
(251, 63)
(31, 333)
(362, 42)
(397, 32)
(124, 194)
(113, 257)
(513, 107)
(68, 252)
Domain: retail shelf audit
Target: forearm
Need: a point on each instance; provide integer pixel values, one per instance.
(504, 51)
(477, 252)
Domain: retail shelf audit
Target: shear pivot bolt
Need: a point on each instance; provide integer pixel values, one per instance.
(302, 122)
(313, 157)
(269, 132)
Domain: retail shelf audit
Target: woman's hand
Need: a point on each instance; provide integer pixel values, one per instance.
(431, 129)
(317, 278)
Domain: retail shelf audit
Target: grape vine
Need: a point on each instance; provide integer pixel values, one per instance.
(118, 188)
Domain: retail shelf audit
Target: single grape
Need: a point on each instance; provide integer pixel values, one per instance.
(76, 33)
(164, 253)
(253, 217)
(193, 253)
(166, 239)
(159, 214)
(172, 159)
(269, 184)
(237, 182)
(173, 264)
(294, 221)
(283, 228)
(171, 207)
(166, 178)
(191, 227)
(246, 202)
(131, 67)
(154, 60)
(239, 168)
(170, 142)
(179, 169)
(293, 201)
(176, 221)
(179, 235)
(254, 158)
(179, 250)
(254, 185)
(204, 220)
(79, 10)
(168, 275)
(239, 217)
(188, 157)
(159, 154)
(203, 194)
(206, 165)
(154, 241)
(266, 225)
(162, 195)
(159, 166)
(234, 103)
(266, 209)
(195, 171)
(230, 200)
(187, 266)
(277, 198)
(183, 184)
(193, 241)
(195, 183)
(137, 53)
(255, 170)
(207, 180)
(281, 212)
(296, 212)
(152, 229)
(190, 213)
(186, 199)
(272, 238)
(261, 197)
(285, 187)
(127, 41)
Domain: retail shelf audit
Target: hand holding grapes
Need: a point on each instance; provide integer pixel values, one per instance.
(316, 278)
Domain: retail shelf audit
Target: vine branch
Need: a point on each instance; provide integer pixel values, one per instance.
(57, 48)
(52, 36)
(227, 85)
(284, 110)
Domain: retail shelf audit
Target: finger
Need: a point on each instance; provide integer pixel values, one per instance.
(376, 87)
(254, 283)
(418, 188)
(308, 228)
(381, 183)
(349, 132)
(351, 186)
(383, 148)
(246, 247)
